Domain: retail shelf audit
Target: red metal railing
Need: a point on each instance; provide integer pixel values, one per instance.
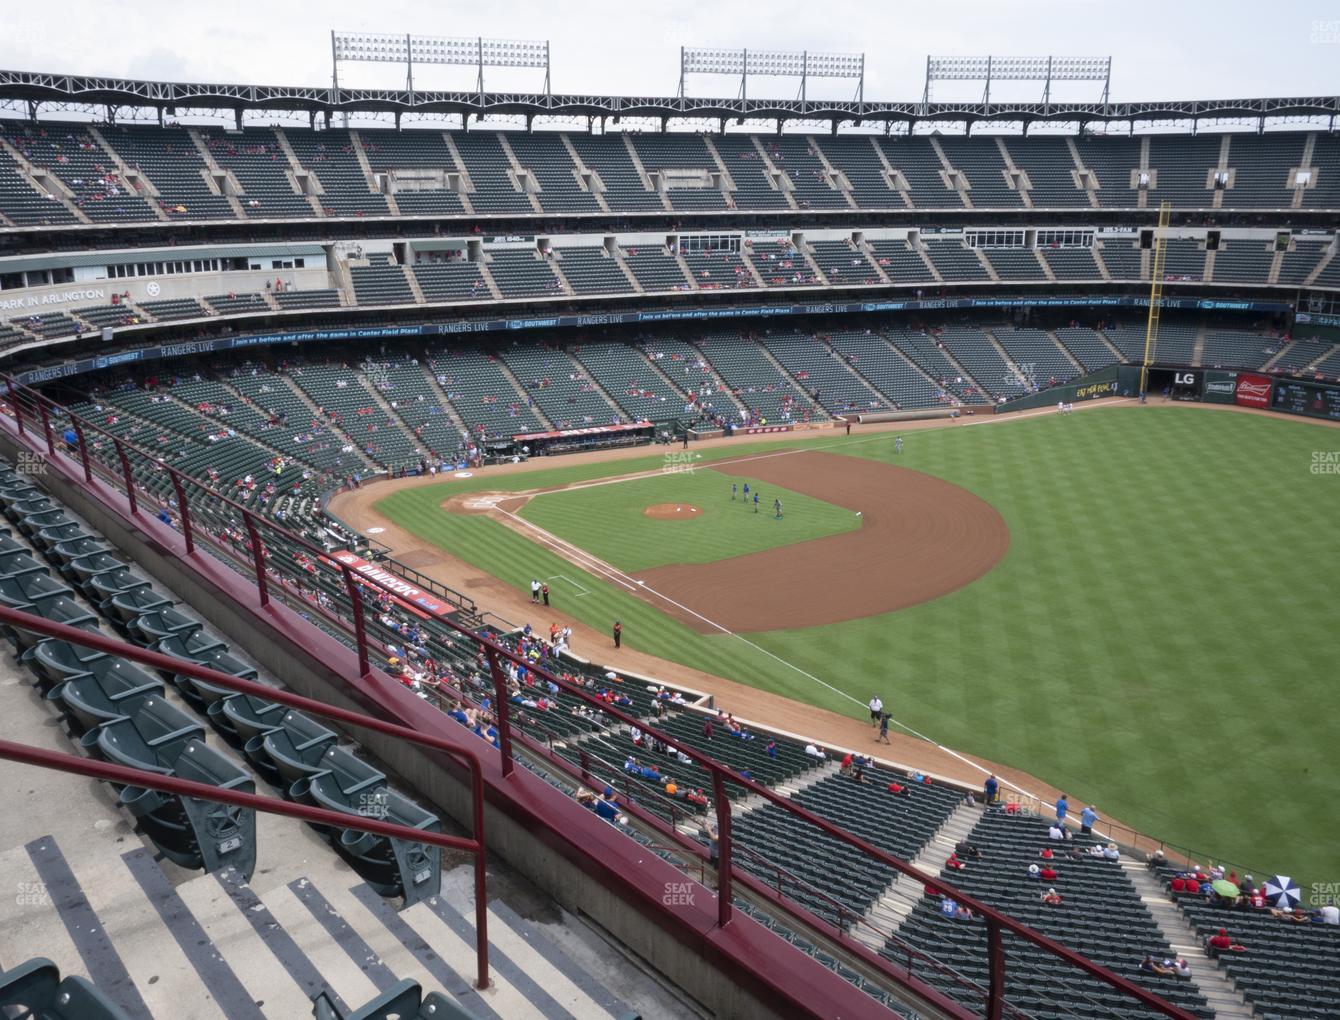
(475, 844)
(40, 411)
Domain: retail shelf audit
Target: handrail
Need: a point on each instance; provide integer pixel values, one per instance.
(157, 660)
(997, 922)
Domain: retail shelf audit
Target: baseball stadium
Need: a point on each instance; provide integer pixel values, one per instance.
(474, 550)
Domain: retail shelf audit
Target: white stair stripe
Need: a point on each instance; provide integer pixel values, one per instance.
(237, 943)
(333, 964)
(166, 979)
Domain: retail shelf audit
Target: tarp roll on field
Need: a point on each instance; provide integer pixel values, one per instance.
(928, 412)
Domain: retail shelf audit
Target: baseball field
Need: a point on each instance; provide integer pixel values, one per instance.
(1136, 605)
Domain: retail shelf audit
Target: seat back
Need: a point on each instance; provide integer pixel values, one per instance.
(226, 834)
(166, 730)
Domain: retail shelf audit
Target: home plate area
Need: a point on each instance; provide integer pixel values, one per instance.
(672, 512)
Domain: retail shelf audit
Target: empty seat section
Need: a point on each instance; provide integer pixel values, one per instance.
(624, 190)
(797, 158)
(687, 168)
(493, 189)
(1184, 165)
(900, 262)
(483, 396)
(521, 273)
(955, 263)
(819, 367)
(754, 186)
(868, 353)
(23, 203)
(1262, 168)
(262, 170)
(1015, 263)
(1243, 261)
(561, 387)
(390, 151)
(592, 271)
(1050, 169)
(381, 282)
(1112, 161)
(843, 263)
(859, 162)
(767, 392)
(331, 157)
(920, 167)
(1036, 354)
(1087, 347)
(546, 157)
(1071, 263)
(984, 166)
(458, 280)
(655, 268)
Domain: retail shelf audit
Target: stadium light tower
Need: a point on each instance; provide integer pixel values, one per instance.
(800, 64)
(1043, 69)
(379, 47)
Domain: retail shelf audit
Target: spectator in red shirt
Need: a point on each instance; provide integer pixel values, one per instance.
(1048, 874)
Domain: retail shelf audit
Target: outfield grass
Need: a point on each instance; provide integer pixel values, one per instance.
(1158, 639)
(608, 520)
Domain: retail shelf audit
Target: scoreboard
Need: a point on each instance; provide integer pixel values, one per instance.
(1317, 400)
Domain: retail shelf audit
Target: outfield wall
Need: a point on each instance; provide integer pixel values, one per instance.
(1112, 381)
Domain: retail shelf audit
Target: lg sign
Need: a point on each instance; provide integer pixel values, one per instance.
(1184, 379)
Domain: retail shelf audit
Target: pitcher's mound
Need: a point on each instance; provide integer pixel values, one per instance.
(672, 511)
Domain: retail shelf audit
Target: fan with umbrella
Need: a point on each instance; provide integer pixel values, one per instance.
(1282, 891)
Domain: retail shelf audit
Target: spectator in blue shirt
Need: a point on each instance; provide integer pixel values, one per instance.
(991, 789)
(1086, 819)
(1062, 806)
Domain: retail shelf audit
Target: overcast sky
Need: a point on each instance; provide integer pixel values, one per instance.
(1164, 50)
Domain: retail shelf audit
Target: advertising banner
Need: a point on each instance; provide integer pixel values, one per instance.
(405, 593)
(1220, 387)
(1253, 390)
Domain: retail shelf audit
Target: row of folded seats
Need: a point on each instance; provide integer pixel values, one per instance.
(1100, 916)
(120, 712)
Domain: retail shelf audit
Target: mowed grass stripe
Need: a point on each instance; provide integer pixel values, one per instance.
(1158, 639)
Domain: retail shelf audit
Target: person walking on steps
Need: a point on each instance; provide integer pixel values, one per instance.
(618, 634)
